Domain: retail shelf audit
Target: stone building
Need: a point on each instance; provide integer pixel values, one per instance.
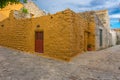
(60, 35)
(117, 35)
(105, 20)
(97, 33)
(102, 35)
(114, 37)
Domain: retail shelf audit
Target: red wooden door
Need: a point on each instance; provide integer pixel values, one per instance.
(39, 42)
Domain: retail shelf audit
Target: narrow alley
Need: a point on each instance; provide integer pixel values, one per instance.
(97, 65)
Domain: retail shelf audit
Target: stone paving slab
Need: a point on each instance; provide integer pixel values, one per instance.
(96, 65)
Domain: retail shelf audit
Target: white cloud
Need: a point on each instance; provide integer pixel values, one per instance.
(115, 16)
(53, 6)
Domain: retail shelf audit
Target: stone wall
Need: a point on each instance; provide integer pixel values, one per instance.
(117, 36)
(89, 30)
(13, 34)
(63, 34)
(33, 9)
(104, 18)
(91, 34)
(77, 33)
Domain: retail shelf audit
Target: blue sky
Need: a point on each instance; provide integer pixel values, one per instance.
(53, 6)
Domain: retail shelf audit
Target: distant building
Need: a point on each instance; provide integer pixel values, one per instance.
(114, 37)
(105, 21)
(33, 11)
(118, 35)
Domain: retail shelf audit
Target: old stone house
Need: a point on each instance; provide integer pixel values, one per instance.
(102, 35)
(105, 20)
(60, 35)
(97, 34)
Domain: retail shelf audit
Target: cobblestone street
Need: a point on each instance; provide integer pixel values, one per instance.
(98, 65)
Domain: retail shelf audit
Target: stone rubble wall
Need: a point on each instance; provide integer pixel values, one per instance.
(33, 9)
(89, 30)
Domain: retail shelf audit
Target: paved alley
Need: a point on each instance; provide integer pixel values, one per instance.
(97, 65)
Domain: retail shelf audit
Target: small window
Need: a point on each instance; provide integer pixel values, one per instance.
(38, 26)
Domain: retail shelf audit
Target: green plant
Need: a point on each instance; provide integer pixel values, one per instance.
(4, 3)
(89, 47)
(25, 1)
(24, 10)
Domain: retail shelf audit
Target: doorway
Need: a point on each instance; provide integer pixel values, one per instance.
(39, 42)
